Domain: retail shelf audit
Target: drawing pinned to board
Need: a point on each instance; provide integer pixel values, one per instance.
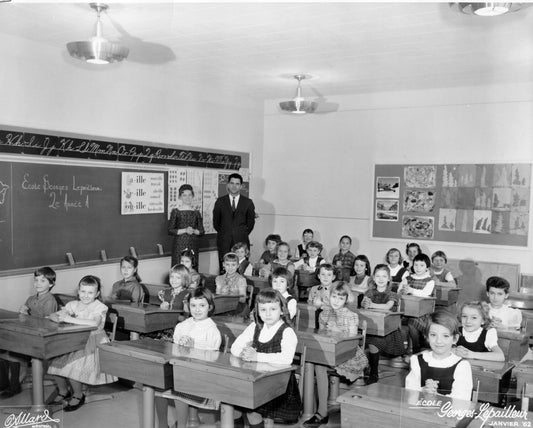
(466, 176)
(420, 176)
(502, 175)
(501, 222)
(419, 201)
(520, 199)
(447, 219)
(448, 198)
(482, 221)
(484, 175)
(386, 210)
(464, 220)
(518, 223)
(483, 197)
(501, 198)
(388, 187)
(466, 198)
(521, 175)
(420, 227)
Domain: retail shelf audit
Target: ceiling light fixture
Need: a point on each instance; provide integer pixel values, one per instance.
(98, 50)
(487, 8)
(299, 105)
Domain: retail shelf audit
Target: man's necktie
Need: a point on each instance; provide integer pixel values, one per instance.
(233, 208)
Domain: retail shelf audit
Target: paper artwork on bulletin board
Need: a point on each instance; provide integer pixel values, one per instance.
(142, 193)
(210, 195)
(386, 210)
(388, 187)
(470, 203)
(418, 227)
(420, 176)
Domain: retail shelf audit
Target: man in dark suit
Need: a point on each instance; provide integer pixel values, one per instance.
(233, 217)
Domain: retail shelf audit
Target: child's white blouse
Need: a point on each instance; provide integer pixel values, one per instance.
(491, 339)
(204, 333)
(511, 317)
(288, 343)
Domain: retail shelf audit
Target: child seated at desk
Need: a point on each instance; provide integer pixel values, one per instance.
(362, 277)
(438, 269)
(380, 296)
(421, 284)
(245, 267)
(440, 370)
(501, 315)
(129, 287)
(41, 305)
(271, 339)
(231, 282)
(412, 249)
(200, 332)
(344, 260)
(280, 280)
(477, 340)
(188, 259)
(337, 318)
(319, 294)
(271, 244)
(313, 260)
(81, 366)
(398, 272)
(301, 250)
(172, 297)
(283, 258)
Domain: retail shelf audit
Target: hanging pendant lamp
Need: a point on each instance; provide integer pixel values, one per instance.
(298, 105)
(98, 50)
(487, 8)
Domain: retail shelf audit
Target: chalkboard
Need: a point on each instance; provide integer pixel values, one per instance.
(48, 210)
(470, 203)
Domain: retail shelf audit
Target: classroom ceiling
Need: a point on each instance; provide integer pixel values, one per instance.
(250, 47)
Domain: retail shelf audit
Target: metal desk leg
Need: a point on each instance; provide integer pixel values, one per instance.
(37, 373)
(226, 415)
(334, 383)
(309, 391)
(148, 407)
(193, 422)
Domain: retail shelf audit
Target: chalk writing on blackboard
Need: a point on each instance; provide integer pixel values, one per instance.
(62, 195)
(85, 148)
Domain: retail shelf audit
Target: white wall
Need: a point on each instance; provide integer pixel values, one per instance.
(318, 168)
(42, 88)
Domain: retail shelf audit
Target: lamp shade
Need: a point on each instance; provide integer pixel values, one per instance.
(298, 105)
(97, 52)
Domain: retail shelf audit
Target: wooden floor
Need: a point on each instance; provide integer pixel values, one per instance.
(124, 410)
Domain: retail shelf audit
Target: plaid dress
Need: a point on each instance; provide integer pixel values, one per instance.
(419, 284)
(347, 321)
(288, 405)
(392, 344)
(347, 262)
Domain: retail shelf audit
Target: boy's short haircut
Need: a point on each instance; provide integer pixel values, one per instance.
(273, 237)
(421, 257)
(48, 273)
(231, 257)
(240, 245)
(308, 231)
(315, 244)
(498, 282)
(346, 237)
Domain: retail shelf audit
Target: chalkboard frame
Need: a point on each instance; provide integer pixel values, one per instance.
(389, 227)
(205, 159)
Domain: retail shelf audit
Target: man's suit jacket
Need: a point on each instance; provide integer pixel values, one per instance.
(232, 227)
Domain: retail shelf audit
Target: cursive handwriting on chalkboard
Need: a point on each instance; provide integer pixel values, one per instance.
(74, 195)
(57, 146)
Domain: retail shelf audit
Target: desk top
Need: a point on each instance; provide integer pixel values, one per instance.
(142, 308)
(511, 333)
(494, 368)
(5, 314)
(34, 326)
(408, 403)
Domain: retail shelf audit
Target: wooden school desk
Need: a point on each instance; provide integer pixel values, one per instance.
(144, 318)
(414, 306)
(6, 315)
(514, 343)
(41, 339)
(447, 294)
(493, 377)
(228, 379)
(147, 361)
(524, 374)
(379, 405)
(328, 349)
(379, 322)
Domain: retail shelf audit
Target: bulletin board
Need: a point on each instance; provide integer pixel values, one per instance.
(470, 203)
